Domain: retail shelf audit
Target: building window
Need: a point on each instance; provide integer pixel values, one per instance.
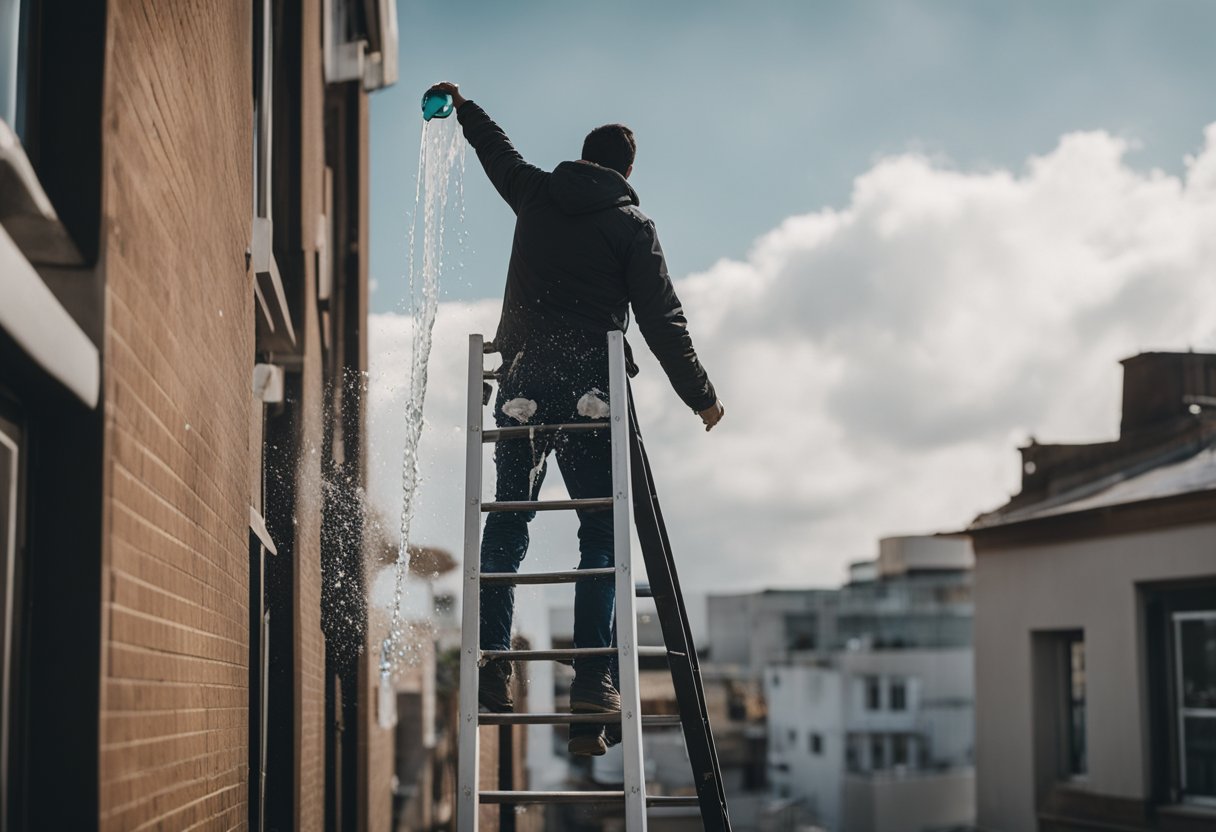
(899, 695)
(12, 503)
(263, 80)
(1059, 703)
(873, 693)
(1074, 680)
(878, 752)
(801, 632)
(14, 63)
(899, 750)
(1195, 703)
(852, 755)
(816, 744)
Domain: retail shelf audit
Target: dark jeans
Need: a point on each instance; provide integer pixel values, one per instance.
(555, 378)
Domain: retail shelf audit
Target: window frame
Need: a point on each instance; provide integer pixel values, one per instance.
(1075, 760)
(899, 703)
(878, 761)
(872, 684)
(1178, 705)
(14, 435)
(901, 742)
(15, 113)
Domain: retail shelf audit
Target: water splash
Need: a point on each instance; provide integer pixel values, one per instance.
(441, 159)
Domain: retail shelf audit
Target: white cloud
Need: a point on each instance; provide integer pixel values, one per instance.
(878, 362)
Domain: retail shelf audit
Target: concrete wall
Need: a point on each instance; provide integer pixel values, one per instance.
(803, 701)
(178, 354)
(911, 802)
(1088, 585)
(940, 697)
(750, 630)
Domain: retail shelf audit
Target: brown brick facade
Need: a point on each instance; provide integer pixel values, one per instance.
(186, 454)
(177, 362)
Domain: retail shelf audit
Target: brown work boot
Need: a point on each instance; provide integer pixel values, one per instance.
(494, 688)
(593, 693)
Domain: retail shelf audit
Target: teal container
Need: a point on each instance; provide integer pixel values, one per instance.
(436, 105)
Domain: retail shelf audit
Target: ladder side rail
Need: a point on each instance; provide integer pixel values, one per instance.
(470, 647)
(626, 605)
(673, 619)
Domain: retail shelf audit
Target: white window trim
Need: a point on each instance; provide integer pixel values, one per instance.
(8, 548)
(1180, 709)
(343, 60)
(27, 212)
(31, 314)
(257, 524)
(267, 282)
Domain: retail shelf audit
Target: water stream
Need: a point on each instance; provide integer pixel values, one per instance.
(441, 158)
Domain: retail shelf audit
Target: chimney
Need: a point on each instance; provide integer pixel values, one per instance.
(1162, 387)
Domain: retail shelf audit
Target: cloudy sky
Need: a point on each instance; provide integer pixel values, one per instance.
(907, 236)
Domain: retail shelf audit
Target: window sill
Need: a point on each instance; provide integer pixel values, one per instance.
(1187, 810)
(26, 211)
(279, 334)
(34, 318)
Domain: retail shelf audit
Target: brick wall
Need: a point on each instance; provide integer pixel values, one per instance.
(310, 646)
(178, 355)
(184, 440)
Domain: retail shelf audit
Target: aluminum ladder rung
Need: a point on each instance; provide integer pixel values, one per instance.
(548, 505)
(520, 431)
(562, 577)
(564, 655)
(648, 720)
(657, 800)
(643, 591)
(521, 798)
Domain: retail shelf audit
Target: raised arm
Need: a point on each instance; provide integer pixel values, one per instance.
(513, 178)
(661, 319)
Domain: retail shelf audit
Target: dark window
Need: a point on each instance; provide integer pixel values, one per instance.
(852, 754)
(1074, 680)
(878, 752)
(899, 750)
(816, 744)
(899, 695)
(801, 631)
(1058, 704)
(12, 503)
(873, 693)
(1195, 662)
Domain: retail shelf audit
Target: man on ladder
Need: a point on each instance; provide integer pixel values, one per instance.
(583, 253)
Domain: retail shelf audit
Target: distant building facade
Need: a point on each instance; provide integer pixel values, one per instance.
(183, 295)
(872, 730)
(1096, 621)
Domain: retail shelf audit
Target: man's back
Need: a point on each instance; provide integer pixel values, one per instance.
(573, 238)
(584, 253)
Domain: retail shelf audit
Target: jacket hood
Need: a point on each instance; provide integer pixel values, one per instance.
(584, 187)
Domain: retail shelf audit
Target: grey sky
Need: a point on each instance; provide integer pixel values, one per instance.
(749, 113)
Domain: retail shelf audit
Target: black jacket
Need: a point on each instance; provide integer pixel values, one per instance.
(582, 254)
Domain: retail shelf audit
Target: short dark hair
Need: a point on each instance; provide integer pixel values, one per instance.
(611, 146)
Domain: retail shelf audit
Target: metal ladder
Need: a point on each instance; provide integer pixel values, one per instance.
(629, 465)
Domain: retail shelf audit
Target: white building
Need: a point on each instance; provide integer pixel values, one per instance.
(873, 729)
